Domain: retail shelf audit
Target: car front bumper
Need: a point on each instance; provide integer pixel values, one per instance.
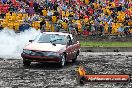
(40, 58)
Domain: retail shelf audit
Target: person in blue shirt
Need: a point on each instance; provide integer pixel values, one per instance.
(120, 30)
(64, 7)
(4, 1)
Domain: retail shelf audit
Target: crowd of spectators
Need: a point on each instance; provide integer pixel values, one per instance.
(87, 17)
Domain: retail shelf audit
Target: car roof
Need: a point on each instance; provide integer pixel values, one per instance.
(59, 33)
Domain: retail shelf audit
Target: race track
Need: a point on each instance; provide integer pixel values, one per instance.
(13, 74)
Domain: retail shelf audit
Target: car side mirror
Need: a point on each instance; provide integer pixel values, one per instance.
(30, 40)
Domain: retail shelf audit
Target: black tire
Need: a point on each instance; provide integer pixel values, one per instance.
(26, 63)
(63, 61)
(74, 59)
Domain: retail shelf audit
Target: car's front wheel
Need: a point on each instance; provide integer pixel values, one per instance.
(74, 59)
(62, 61)
(26, 63)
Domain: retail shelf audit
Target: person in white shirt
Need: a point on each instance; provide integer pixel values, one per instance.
(22, 10)
(49, 12)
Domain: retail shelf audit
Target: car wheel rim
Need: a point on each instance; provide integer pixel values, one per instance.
(63, 61)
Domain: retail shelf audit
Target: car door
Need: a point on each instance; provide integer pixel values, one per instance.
(74, 47)
(69, 48)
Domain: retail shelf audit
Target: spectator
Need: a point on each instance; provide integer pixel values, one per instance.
(42, 25)
(94, 16)
(64, 7)
(55, 6)
(1, 27)
(30, 11)
(36, 7)
(22, 10)
(4, 1)
(126, 31)
(49, 12)
(120, 30)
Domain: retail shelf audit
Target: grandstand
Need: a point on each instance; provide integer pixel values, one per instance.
(86, 17)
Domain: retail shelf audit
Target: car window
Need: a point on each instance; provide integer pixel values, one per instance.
(54, 38)
(69, 39)
(74, 40)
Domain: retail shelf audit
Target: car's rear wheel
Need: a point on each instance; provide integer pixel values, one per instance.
(63, 61)
(75, 58)
(26, 63)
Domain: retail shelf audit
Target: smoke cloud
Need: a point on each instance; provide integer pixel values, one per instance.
(12, 44)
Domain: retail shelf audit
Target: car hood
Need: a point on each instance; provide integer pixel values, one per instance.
(45, 47)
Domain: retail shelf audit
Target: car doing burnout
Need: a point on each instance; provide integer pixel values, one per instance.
(51, 47)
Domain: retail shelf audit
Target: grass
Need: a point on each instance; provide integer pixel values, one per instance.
(105, 44)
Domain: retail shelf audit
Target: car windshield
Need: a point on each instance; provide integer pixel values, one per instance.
(51, 38)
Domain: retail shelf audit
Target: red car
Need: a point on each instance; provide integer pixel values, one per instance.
(51, 47)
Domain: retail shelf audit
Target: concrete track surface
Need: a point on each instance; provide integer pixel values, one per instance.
(46, 75)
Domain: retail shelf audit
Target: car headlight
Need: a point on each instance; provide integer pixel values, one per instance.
(27, 51)
(53, 54)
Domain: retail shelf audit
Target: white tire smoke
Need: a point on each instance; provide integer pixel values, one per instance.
(11, 43)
